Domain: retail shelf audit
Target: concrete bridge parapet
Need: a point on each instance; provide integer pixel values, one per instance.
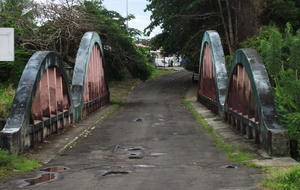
(44, 102)
(244, 99)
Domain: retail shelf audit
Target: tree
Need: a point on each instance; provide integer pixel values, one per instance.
(184, 22)
(17, 14)
(279, 12)
(121, 55)
(60, 26)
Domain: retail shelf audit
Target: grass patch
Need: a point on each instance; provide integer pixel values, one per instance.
(287, 178)
(11, 164)
(6, 98)
(157, 72)
(233, 153)
(117, 100)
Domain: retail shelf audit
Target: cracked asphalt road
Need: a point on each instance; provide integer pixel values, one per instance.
(152, 142)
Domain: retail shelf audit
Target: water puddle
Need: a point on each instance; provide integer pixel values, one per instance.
(158, 154)
(136, 148)
(51, 173)
(157, 124)
(46, 177)
(145, 166)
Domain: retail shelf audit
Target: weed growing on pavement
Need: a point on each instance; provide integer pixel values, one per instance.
(158, 72)
(233, 153)
(118, 100)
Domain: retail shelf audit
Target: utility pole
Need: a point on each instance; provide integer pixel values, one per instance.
(127, 12)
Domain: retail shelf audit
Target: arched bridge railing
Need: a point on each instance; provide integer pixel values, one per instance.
(44, 101)
(248, 99)
(89, 84)
(250, 105)
(212, 73)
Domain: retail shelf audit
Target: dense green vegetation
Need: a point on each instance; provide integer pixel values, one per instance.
(6, 99)
(279, 51)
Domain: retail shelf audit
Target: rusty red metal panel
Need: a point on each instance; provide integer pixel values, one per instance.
(36, 108)
(59, 92)
(240, 97)
(45, 95)
(207, 86)
(52, 90)
(49, 103)
(95, 86)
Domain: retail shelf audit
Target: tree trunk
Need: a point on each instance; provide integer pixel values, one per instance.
(225, 28)
(230, 26)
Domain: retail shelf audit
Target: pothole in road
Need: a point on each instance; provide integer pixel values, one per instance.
(137, 148)
(229, 166)
(114, 173)
(135, 154)
(55, 169)
(130, 166)
(129, 148)
(139, 119)
(136, 157)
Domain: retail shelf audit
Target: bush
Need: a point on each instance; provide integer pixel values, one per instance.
(11, 71)
(6, 98)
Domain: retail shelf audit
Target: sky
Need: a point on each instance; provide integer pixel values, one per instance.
(135, 7)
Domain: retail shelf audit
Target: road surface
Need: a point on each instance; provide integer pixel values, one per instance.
(152, 142)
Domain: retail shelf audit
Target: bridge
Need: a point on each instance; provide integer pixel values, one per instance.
(46, 102)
